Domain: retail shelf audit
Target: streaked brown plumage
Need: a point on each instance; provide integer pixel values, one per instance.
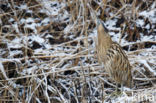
(114, 59)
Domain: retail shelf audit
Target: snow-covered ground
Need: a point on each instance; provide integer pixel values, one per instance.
(47, 50)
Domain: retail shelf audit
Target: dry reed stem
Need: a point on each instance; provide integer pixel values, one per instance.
(50, 73)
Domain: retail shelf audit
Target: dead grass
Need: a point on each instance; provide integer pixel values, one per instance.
(68, 71)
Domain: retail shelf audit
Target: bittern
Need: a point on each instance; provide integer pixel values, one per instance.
(113, 58)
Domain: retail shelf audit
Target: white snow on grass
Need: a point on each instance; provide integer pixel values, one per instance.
(115, 36)
(147, 26)
(140, 22)
(23, 7)
(29, 24)
(53, 7)
(15, 26)
(11, 20)
(45, 21)
(3, 72)
(149, 14)
(32, 27)
(147, 37)
(110, 24)
(68, 28)
(15, 43)
(36, 38)
(30, 70)
(15, 52)
(147, 65)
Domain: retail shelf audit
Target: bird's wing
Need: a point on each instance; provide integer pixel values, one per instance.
(117, 57)
(117, 64)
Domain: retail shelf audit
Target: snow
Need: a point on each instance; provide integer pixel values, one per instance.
(29, 11)
(110, 24)
(115, 36)
(45, 21)
(147, 26)
(149, 14)
(63, 54)
(16, 43)
(149, 68)
(15, 52)
(29, 70)
(147, 38)
(67, 29)
(3, 70)
(23, 7)
(37, 38)
(140, 22)
(11, 20)
(53, 7)
(29, 20)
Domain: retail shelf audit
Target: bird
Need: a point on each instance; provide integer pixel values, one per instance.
(113, 57)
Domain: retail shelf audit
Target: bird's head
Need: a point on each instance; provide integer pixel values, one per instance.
(100, 26)
(101, 29)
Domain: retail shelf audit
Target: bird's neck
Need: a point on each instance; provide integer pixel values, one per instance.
(104, 41)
